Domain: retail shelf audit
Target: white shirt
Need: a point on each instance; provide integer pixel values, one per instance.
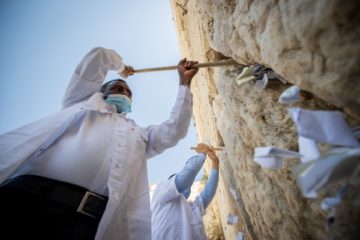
(78, 156)
(57, 146)
(175, 218)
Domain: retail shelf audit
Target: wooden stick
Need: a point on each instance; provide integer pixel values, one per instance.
(226, 62)
(213, 148)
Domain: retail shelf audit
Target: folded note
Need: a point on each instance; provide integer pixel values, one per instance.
(323, 126)
(308, 149)
(333, 165)
(231, 219)
(233, 194)
(290, 95)
(272, 157)
(239, 236)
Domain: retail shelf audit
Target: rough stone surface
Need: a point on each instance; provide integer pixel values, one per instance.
(305, 42)
(347, 215)
(314, 44)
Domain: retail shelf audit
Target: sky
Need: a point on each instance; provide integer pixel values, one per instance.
(42, 41)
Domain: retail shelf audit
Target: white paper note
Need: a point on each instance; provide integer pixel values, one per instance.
(233, 194)
(308, 149)
(231, 219)
(290, 95)
(240, 236)
(269, 162)
(323, 126)
(332, 166)
(263, 82)
(330, 202)
(245, 76)
(274, 151)
(272, 157)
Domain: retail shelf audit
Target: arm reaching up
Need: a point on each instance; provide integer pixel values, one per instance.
(211, 185)
(168, 133)
(90, 74)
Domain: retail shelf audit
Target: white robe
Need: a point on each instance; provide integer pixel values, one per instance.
(174, 217)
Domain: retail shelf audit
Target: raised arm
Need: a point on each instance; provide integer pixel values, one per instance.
(211, 185)
(185, 178)
(90, 74)
(167, 134)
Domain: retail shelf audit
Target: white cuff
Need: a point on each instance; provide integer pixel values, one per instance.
(121, 70)
(184, 92)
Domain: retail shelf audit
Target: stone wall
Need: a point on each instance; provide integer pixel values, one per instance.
(314, 45)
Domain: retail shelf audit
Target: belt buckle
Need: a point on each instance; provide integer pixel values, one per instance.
(83, 203)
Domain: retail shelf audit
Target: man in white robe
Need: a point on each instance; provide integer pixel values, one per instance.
(88, 157)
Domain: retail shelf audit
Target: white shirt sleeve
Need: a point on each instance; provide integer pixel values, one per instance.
(168, 133)
(90, 74)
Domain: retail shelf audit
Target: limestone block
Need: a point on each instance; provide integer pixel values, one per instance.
(314, 45)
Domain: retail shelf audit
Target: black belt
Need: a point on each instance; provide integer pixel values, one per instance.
(75, 197)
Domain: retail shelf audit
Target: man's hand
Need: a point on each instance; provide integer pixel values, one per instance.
(187, 71)
(202, 148)
(129, 70)
(214, 159)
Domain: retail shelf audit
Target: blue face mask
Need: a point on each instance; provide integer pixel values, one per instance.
(122, 102)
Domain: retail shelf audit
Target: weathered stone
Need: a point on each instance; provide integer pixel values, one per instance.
(347, 215)
(314, 45)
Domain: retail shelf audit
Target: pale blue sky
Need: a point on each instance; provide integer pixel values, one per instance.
(42, 41)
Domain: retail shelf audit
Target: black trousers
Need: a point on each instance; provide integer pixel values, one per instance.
(33, 207)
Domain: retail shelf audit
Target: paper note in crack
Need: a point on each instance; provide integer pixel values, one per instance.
(272, 162)
(245, 76)
(323, 126)
(272, 157)
(308, 149)
(240, 236)
(233, 194)
(333, 165)
(261, 84)
(290, 95)
(330, 203)
(231, 219)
